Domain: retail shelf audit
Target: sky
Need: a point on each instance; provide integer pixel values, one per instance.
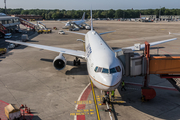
(86, 4)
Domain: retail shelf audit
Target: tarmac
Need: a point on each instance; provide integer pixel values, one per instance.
(27, 76)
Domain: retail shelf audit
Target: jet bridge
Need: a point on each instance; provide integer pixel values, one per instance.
(27, 24)
(135, 64)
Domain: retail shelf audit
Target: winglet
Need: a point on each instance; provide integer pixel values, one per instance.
(169, 33)
(91, 21)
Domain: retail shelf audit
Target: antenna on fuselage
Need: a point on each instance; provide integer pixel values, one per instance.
(91, 20)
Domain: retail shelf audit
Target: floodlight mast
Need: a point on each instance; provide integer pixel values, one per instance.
(159, 13)
(5, 6)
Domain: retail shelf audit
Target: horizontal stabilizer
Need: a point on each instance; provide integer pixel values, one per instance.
(106, 32)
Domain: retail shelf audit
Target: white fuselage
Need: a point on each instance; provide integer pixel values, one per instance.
(78, 22)
(99, 54)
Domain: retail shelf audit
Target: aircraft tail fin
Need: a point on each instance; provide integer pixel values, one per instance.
(83, 17)
(91, 20)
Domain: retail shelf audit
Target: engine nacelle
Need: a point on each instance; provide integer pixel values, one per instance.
(59, 62)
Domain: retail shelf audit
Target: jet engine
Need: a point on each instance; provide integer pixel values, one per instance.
(59, 62)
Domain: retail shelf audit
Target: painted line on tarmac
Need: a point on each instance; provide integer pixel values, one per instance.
(109, 111)
(95, 101)
(153, 86)
(83, 96)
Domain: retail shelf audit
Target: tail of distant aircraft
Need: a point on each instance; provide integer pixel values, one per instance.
(91, 21)
(83, 17)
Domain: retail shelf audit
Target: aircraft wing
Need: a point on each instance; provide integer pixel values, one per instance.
(151, 44)
(76, 53)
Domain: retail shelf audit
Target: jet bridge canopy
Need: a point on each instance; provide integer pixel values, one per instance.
(166, 64)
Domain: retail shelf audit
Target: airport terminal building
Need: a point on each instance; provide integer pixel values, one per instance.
(29, 17)
(149, 16)
(169, 17)
(10, 23)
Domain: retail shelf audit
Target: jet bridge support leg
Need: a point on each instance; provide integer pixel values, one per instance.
(147, 92)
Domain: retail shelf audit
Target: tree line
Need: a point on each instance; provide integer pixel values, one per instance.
(77, 14)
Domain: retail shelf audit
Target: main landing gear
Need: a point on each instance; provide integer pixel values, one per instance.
(106, 98)
(77, 62)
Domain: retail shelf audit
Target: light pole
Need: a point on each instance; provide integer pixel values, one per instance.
(159, 13)
(5, 6)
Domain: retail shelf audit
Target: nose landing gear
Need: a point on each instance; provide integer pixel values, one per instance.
(77, 62)
(106, 98)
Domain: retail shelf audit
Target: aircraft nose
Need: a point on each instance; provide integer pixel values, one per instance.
(112, 80)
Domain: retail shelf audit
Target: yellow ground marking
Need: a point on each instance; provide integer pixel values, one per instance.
(78, 113)
(91, 110)
(82, 113)
(95, 102)
(119, 101)
(92, 113)
(86, 110)
(73, 114)
(162, 29)
(83, 102)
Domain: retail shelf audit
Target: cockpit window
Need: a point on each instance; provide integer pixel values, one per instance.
(105, 70)
(99, 69)
(112, 70)
(118, 69)
(96, 69)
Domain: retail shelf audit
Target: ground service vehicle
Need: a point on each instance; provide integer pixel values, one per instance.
(3, 50)
(61, 32)
(74, 29)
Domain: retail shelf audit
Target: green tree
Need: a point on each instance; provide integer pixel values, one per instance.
(54, 16)
(111, 13)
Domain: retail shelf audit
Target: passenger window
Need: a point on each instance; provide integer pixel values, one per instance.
(112, 70)
(105, 70)
(99, 69)
(118, 69)
(95, 69)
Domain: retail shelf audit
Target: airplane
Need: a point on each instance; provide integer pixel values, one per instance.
(174, 33)
(104, 68)
(77, 22)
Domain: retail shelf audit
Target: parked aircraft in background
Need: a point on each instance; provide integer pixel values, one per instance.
(174, 33)
(77, 23)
